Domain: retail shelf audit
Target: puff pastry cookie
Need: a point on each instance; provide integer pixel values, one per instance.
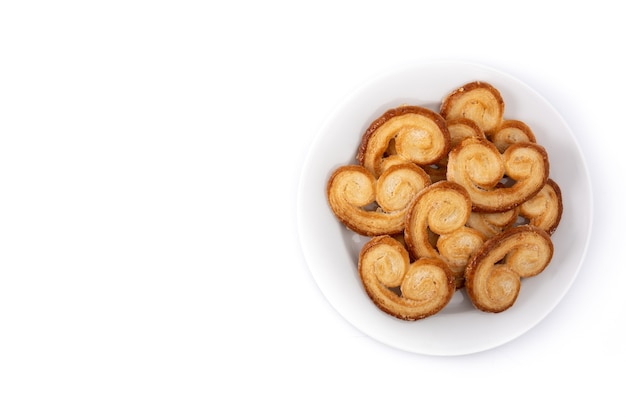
(492, 277)
(435, 227)
(459, 129)
(490, 224)
(406, 290)
(480, 168)
(510, 132)
(478, 101)
(545, 209)
(371, 206)
(414, 133)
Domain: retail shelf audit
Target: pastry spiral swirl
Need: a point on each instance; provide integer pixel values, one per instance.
(459, 130)
(544, 210)
(352, 190)
(478, 101)
(479, 167)
(493, 274)
(405, 290)
(510, 132)
(490, 224)
(415, 133)
(440, 211)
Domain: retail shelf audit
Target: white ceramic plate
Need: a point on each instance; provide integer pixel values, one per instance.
(331, 251)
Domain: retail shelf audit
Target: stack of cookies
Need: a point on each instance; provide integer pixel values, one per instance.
(459, 199)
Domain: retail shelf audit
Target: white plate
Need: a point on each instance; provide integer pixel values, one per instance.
(331, 251)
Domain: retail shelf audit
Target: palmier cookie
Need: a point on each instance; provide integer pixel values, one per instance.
(371, 206)
(510, 132)
(415, 133)
(544, 210)
(441, 210)
(480, 168)
(493, 274)
(478, 101)
(459, 130)
(490, 224)
(405, 290)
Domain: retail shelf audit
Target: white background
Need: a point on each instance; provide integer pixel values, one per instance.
(149, 162)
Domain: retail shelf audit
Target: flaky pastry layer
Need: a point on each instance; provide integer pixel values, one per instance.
(510, 132)
(545, 209)
(490, 224)
(459, 129)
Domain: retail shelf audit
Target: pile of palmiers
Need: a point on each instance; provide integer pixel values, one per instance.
(459, 199)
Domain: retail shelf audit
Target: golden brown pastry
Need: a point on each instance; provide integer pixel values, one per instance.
(490, 224)
(408, 291)
(455, 249)
(545, 209)
(414, 133)
(510, 132)
(371, 206)
(492, 277)
(389, 161)
(478, 101)
(435, 227)
(463, 128)
(479, 167)
(459, 129)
